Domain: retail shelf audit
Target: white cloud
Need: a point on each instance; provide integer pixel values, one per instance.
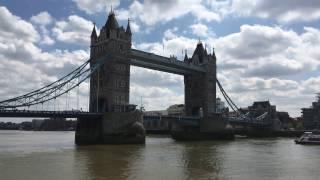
(151, 12)
(134, 27)
(201, 30)
(284, 11)
(15, 28)
(24, 65)
(157, 89)
(43, 18)
(93, 6)
(46, 40)
(257, 63)
(257, 41)
(42, 21)
(75, 29)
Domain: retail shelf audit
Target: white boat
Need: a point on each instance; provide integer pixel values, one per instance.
(309, 138)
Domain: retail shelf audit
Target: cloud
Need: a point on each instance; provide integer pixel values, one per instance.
(15, 28)
(43, 18)
(256, 63)
(151, 78)
(46, 40)
(285, 11)
(255, 41)
(152, 12)
(201, 30)
(74, 30)
(134, 27)
(270, 51)
(24, 66)
(154, 97)
(41, 22)
(276, 67)
(93, 6)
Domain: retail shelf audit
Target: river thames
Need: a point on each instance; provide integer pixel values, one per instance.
(53, 155)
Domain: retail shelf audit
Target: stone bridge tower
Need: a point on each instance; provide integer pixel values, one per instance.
(200, 93)
(109, 86)
(200, 89)
(109, 90)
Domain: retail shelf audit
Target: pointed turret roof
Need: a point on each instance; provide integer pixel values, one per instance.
(128, 30)
(200, 52)
(199, 49)
(112, 22)
(213, 53)
(186, 59)
(94, 32)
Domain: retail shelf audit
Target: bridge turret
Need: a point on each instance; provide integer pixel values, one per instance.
(186, 59)
(128, 30)
(213, 55)
(94, 34)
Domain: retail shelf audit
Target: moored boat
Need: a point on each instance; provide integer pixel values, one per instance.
(309, 138)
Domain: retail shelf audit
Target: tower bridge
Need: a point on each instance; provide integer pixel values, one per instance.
(111, 119)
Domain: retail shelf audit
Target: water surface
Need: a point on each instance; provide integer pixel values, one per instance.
(53, 155)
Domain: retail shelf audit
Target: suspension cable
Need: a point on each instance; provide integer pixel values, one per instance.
(233, 106)
(55, 89)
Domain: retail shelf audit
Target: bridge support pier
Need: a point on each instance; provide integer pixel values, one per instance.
(111, 128)
(210, 128)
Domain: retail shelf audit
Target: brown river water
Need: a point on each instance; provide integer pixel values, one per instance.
(53, 155)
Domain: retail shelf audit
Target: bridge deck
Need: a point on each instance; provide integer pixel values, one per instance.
(48, 114)
(156, 62)
(252, 123)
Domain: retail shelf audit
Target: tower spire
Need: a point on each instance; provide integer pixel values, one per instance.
(128, 30)
(112, 22)
(185, 56)
(94, 32)
(213, 53)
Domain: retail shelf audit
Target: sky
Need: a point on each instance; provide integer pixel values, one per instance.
(266, 50)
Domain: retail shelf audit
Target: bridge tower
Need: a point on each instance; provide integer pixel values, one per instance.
(200, 93)
(200, 89)
(109, 89)
(109, 86)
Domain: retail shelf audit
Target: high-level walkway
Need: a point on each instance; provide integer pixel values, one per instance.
(161, 63)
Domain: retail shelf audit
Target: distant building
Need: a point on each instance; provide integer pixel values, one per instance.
(156, 113)
(285, 119)
(220, 105)
(176, 110)
(311, 116)
(258, 108)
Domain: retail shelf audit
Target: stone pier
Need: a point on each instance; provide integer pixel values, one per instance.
(111, 128)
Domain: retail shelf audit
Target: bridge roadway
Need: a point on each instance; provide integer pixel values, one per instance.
(48, 114)
(248, 122)
(161, 63)
(186, 120)
(193, 121)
